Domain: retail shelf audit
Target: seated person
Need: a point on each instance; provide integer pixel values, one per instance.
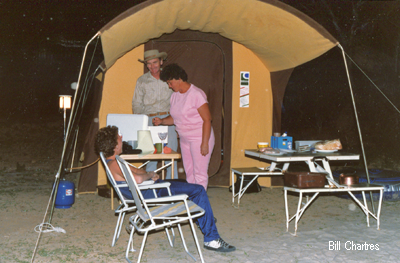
(109, 141)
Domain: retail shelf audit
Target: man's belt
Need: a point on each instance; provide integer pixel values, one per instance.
(158, 113)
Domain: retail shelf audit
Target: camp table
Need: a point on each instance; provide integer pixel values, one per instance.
(155, 156)
(328, 189)
(310, 158)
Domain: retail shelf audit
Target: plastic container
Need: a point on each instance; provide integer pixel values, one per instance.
(262, 145)
(65, 195)
(282, 142)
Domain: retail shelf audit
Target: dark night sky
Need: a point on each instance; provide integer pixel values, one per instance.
(42, 45)
(317, 102)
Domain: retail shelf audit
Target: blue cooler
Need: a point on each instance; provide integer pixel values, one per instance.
(65, 194)
(285, 142)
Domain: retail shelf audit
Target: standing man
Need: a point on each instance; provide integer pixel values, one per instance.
(152, 97)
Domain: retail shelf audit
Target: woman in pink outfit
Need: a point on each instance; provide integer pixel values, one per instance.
(191, 116)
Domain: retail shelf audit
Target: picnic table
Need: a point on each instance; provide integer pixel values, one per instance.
(312, 159)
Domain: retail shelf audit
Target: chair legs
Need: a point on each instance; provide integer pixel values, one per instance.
(196, 240)
(184, 243)
(130, 248)
(171, 242)
(118, 228)
(130, 242)
(142, 246)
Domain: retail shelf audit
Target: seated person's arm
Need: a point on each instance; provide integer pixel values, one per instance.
(142, 175)
(139, 175)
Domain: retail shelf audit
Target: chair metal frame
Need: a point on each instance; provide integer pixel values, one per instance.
(173, 211)
(126, 205)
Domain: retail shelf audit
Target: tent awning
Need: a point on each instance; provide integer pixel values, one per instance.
(281, 36)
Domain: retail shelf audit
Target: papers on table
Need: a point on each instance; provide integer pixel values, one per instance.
(145, 142)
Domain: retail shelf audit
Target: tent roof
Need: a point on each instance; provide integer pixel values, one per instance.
(281, 36)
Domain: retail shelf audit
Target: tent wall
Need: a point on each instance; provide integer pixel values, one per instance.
(207, 59)
(89, 126)
(119, 85)
(279, 80)
(253, 124)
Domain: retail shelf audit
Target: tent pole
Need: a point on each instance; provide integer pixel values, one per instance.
(73, 153)
(358, 124)
(53, 194)
(69, 127)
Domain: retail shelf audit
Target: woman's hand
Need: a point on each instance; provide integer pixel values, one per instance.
(157, 121)
(204, 149)
(165, 121)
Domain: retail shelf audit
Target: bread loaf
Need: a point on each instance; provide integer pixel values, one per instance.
(329, 145)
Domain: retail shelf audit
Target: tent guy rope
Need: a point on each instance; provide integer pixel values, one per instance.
(45, 228)
(373, 83)
(358, 124)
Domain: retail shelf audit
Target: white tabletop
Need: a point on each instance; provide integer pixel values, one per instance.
(155, 156)
(352, 188)
(152, 156)
(303, 156)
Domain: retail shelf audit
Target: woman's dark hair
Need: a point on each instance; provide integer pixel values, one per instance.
(173, 71)
(106, 140)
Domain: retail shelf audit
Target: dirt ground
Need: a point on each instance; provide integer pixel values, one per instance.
(258, 230)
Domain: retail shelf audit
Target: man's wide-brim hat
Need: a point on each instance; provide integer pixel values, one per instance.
(152, 54)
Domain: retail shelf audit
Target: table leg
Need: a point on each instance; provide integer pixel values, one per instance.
(327, 167)
(379, 208)
(240, 192)
(366, 206)
(286, 209)
(285, 166)
(172, 168)
(233, 188)
(272, 166)
(311, 166)
(163, 172)
(300, 209)
(298, 212)
(363, 206)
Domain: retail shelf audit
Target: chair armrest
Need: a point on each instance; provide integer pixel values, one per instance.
(181, 197)
(144, 186)
(161, 185)
(154, 186)
(147, 182)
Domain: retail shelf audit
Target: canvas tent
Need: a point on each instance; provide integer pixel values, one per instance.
(214, 40)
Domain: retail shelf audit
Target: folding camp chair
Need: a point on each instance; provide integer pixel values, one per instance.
(126, 205)
(174, 210)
